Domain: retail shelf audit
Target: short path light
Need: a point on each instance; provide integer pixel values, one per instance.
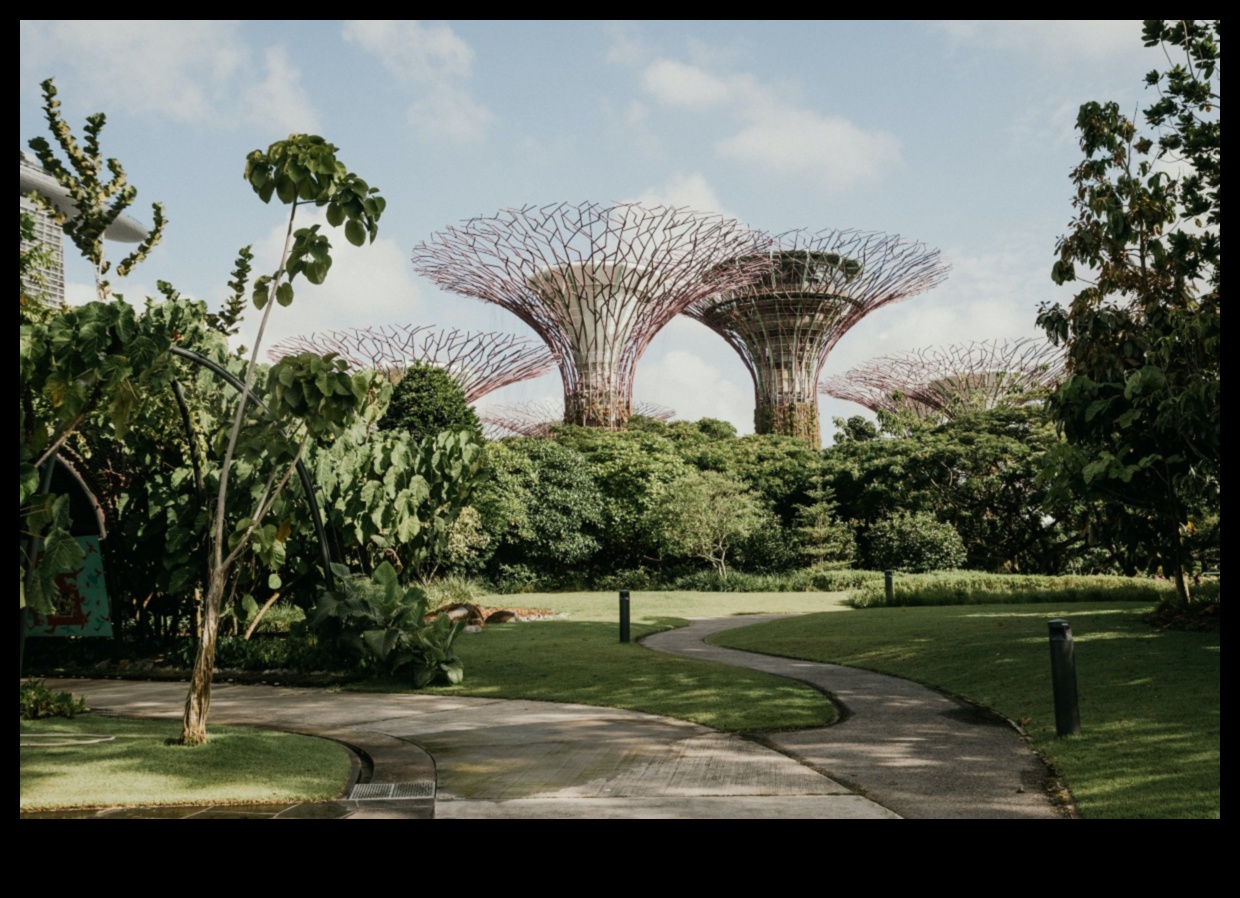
(1063, 679)
(624, 615)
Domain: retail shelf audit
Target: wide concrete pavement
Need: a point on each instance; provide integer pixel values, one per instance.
(901, 750)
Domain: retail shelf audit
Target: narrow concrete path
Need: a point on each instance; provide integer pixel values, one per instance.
(905, 746)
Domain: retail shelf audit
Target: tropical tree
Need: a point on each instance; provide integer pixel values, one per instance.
(1140, 409)
(979, 473)
(314, 392)
(631, 471)
(77, 365)
(540, 506)
(705, 514)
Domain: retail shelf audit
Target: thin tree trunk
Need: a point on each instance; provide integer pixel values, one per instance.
(198, 700)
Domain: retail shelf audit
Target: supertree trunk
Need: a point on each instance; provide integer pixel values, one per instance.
(788, 416)
(812, 290)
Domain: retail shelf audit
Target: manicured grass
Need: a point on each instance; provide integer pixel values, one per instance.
(1150, 702)
(580, 659)
(657, 608)
(138, 767)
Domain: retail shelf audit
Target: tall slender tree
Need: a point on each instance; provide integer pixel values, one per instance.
(1140, 408)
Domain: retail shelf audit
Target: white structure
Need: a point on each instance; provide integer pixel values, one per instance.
(32, 178)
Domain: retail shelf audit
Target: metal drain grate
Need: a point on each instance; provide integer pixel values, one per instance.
(373, 791)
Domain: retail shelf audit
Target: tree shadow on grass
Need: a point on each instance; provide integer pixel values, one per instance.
(143, 765)
(584, 662)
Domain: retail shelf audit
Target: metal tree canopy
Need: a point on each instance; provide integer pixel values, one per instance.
(814, 287)
(536, 419)
(951, 380)
(595, 282)
(479, 361)
(877, 398)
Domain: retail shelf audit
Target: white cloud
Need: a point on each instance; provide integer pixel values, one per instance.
(432, 62)
(367, 285)
(279, 98)
(774, 134)
(451, 113)
(678, 84)
(690, 191)
(625, 48)
(694, 388)
(832, 150)
(201, 73)
(1094, 39)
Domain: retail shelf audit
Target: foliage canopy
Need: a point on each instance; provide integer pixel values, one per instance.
(1140, 410)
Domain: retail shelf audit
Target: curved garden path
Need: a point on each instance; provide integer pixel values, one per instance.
(903, 745)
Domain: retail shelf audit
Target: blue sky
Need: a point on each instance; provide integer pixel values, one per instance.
(957, 134)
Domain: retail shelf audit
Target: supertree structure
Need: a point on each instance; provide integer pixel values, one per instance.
(813, 288)
(479, 361)
(854, 386)
(951, 380)
(536, 419)
(595, 282)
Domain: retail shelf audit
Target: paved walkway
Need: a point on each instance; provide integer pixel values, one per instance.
(902, 750)
(905, 746)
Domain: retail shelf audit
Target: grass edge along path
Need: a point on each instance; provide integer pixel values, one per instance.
(238, 765)
(1150, 701)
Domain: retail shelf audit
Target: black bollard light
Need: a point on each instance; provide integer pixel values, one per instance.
(1063, 679)
(889, 587)
(624, 615)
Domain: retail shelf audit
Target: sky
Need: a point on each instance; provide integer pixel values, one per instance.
(956, 134)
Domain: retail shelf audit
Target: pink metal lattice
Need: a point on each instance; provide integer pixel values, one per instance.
(479, 361)
(595, 282)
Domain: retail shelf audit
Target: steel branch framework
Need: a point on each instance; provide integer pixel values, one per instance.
(877, 398)
(949, 381)
(479, 361)
(536, 419)
(595, 282)
(813, 289)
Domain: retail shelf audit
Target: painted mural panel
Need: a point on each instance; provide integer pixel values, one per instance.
(82, 606)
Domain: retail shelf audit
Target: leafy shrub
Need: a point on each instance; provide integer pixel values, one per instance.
(541, 507)
(468, 545)
(790, 581)
(451, 589)
(428, 401)
(978, 588)
(297, 651)
(916, 543)
(383, 625)
(827, 579)
(631, 578)
(280, 618)
(35, 701)
(768, 550)
(516, 578)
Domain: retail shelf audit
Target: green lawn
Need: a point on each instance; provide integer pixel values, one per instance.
(580, 659)
(1150, 702)
(139, 766)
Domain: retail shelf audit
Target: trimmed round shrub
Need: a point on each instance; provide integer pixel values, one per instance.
(428, 401)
